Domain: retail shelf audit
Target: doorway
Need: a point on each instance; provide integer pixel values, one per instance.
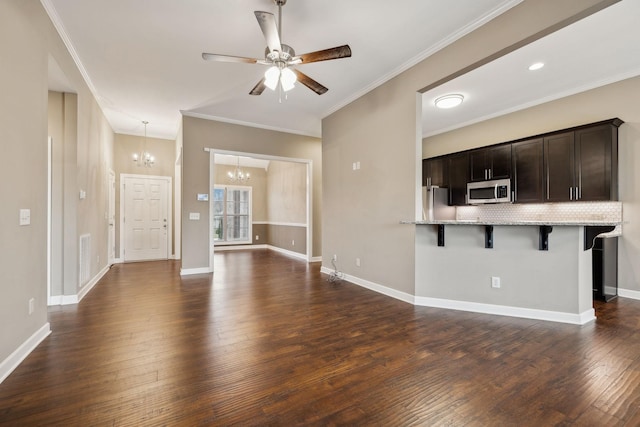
(145, 217)
(111, 239)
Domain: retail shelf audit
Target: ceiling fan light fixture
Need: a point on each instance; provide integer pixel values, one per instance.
(272, 75)
(287, 79)
(449, 101)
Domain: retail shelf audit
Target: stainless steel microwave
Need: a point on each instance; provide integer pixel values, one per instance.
(494, 191)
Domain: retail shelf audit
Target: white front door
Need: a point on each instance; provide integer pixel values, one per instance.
(145, 220)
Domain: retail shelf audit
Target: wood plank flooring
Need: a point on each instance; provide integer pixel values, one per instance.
(267, 340)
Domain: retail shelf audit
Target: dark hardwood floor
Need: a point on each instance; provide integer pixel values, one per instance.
(267, 340)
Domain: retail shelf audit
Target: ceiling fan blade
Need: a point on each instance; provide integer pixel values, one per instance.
(310, 83)
(259, 88)
(269, 29)
(327, 54)
(228, 58)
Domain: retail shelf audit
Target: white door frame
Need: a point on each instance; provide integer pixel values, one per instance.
(111, 224)
(212, 175)
(123, 177)
(49, 213)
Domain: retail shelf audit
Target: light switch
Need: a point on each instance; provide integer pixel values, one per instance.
(25, 216)
(194, 216)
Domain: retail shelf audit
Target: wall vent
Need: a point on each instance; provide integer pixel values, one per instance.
(85, 259)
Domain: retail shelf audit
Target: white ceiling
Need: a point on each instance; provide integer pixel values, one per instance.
(600, 49)
(142, 59)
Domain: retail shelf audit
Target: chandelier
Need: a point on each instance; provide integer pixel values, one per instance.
(237, 175)
(144, 158)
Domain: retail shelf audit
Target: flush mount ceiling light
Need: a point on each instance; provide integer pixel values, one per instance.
(449, 101)
(536, 66)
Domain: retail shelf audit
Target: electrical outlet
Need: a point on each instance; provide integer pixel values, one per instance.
(357, 262)
(495, 282)
(257, 237)
(293, 243)
(335, 257)
(32, 304)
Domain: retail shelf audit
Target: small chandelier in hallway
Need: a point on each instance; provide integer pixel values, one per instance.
(238, 175)
(144, 158)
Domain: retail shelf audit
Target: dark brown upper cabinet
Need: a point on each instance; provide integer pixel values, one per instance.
(434, 172)
(528, 171)
(597, 163)
(582, 165)
(490, 163)
(560, 167)
(458, 168)
(577, 164)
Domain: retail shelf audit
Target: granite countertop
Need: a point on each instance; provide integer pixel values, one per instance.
(512, 222)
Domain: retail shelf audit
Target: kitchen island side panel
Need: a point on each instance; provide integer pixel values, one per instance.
(556, 280)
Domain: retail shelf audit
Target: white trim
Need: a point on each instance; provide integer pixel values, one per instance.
(287, 252)
(239, 247)
(190, 271)
(75, 299)
(118, 261)
(316, 259)
(111, 193)
(499, 310)
(502, 310)
(628, 293)
(285, 224)
(49, 214)
(393, 293)
(248, 124)
(506, 5)
(91, 283)
(9, 364)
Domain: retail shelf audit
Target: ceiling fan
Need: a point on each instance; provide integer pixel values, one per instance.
(281, 57)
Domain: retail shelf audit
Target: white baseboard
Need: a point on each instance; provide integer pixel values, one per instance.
(287, 252)
(503, 310)
(190, 271)
(238, 247)
(628, 293)
(75, 299)
(499, 310)
(393, 293)
(8, 365)
(316, 259)
(86, 288)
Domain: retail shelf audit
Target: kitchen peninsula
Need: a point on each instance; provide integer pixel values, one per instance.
(529, 258)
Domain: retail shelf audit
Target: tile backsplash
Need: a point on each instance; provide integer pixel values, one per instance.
(553, 212)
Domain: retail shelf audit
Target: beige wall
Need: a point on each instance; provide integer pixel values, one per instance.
(287, 190)
(164, 151)
(362, 209)
(200, 133)
(621, 100)
(27, 41)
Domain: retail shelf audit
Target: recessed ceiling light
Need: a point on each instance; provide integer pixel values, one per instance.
(536, 66)
(449, 101)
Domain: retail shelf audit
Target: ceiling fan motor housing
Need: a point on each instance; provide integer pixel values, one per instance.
(284, 56)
